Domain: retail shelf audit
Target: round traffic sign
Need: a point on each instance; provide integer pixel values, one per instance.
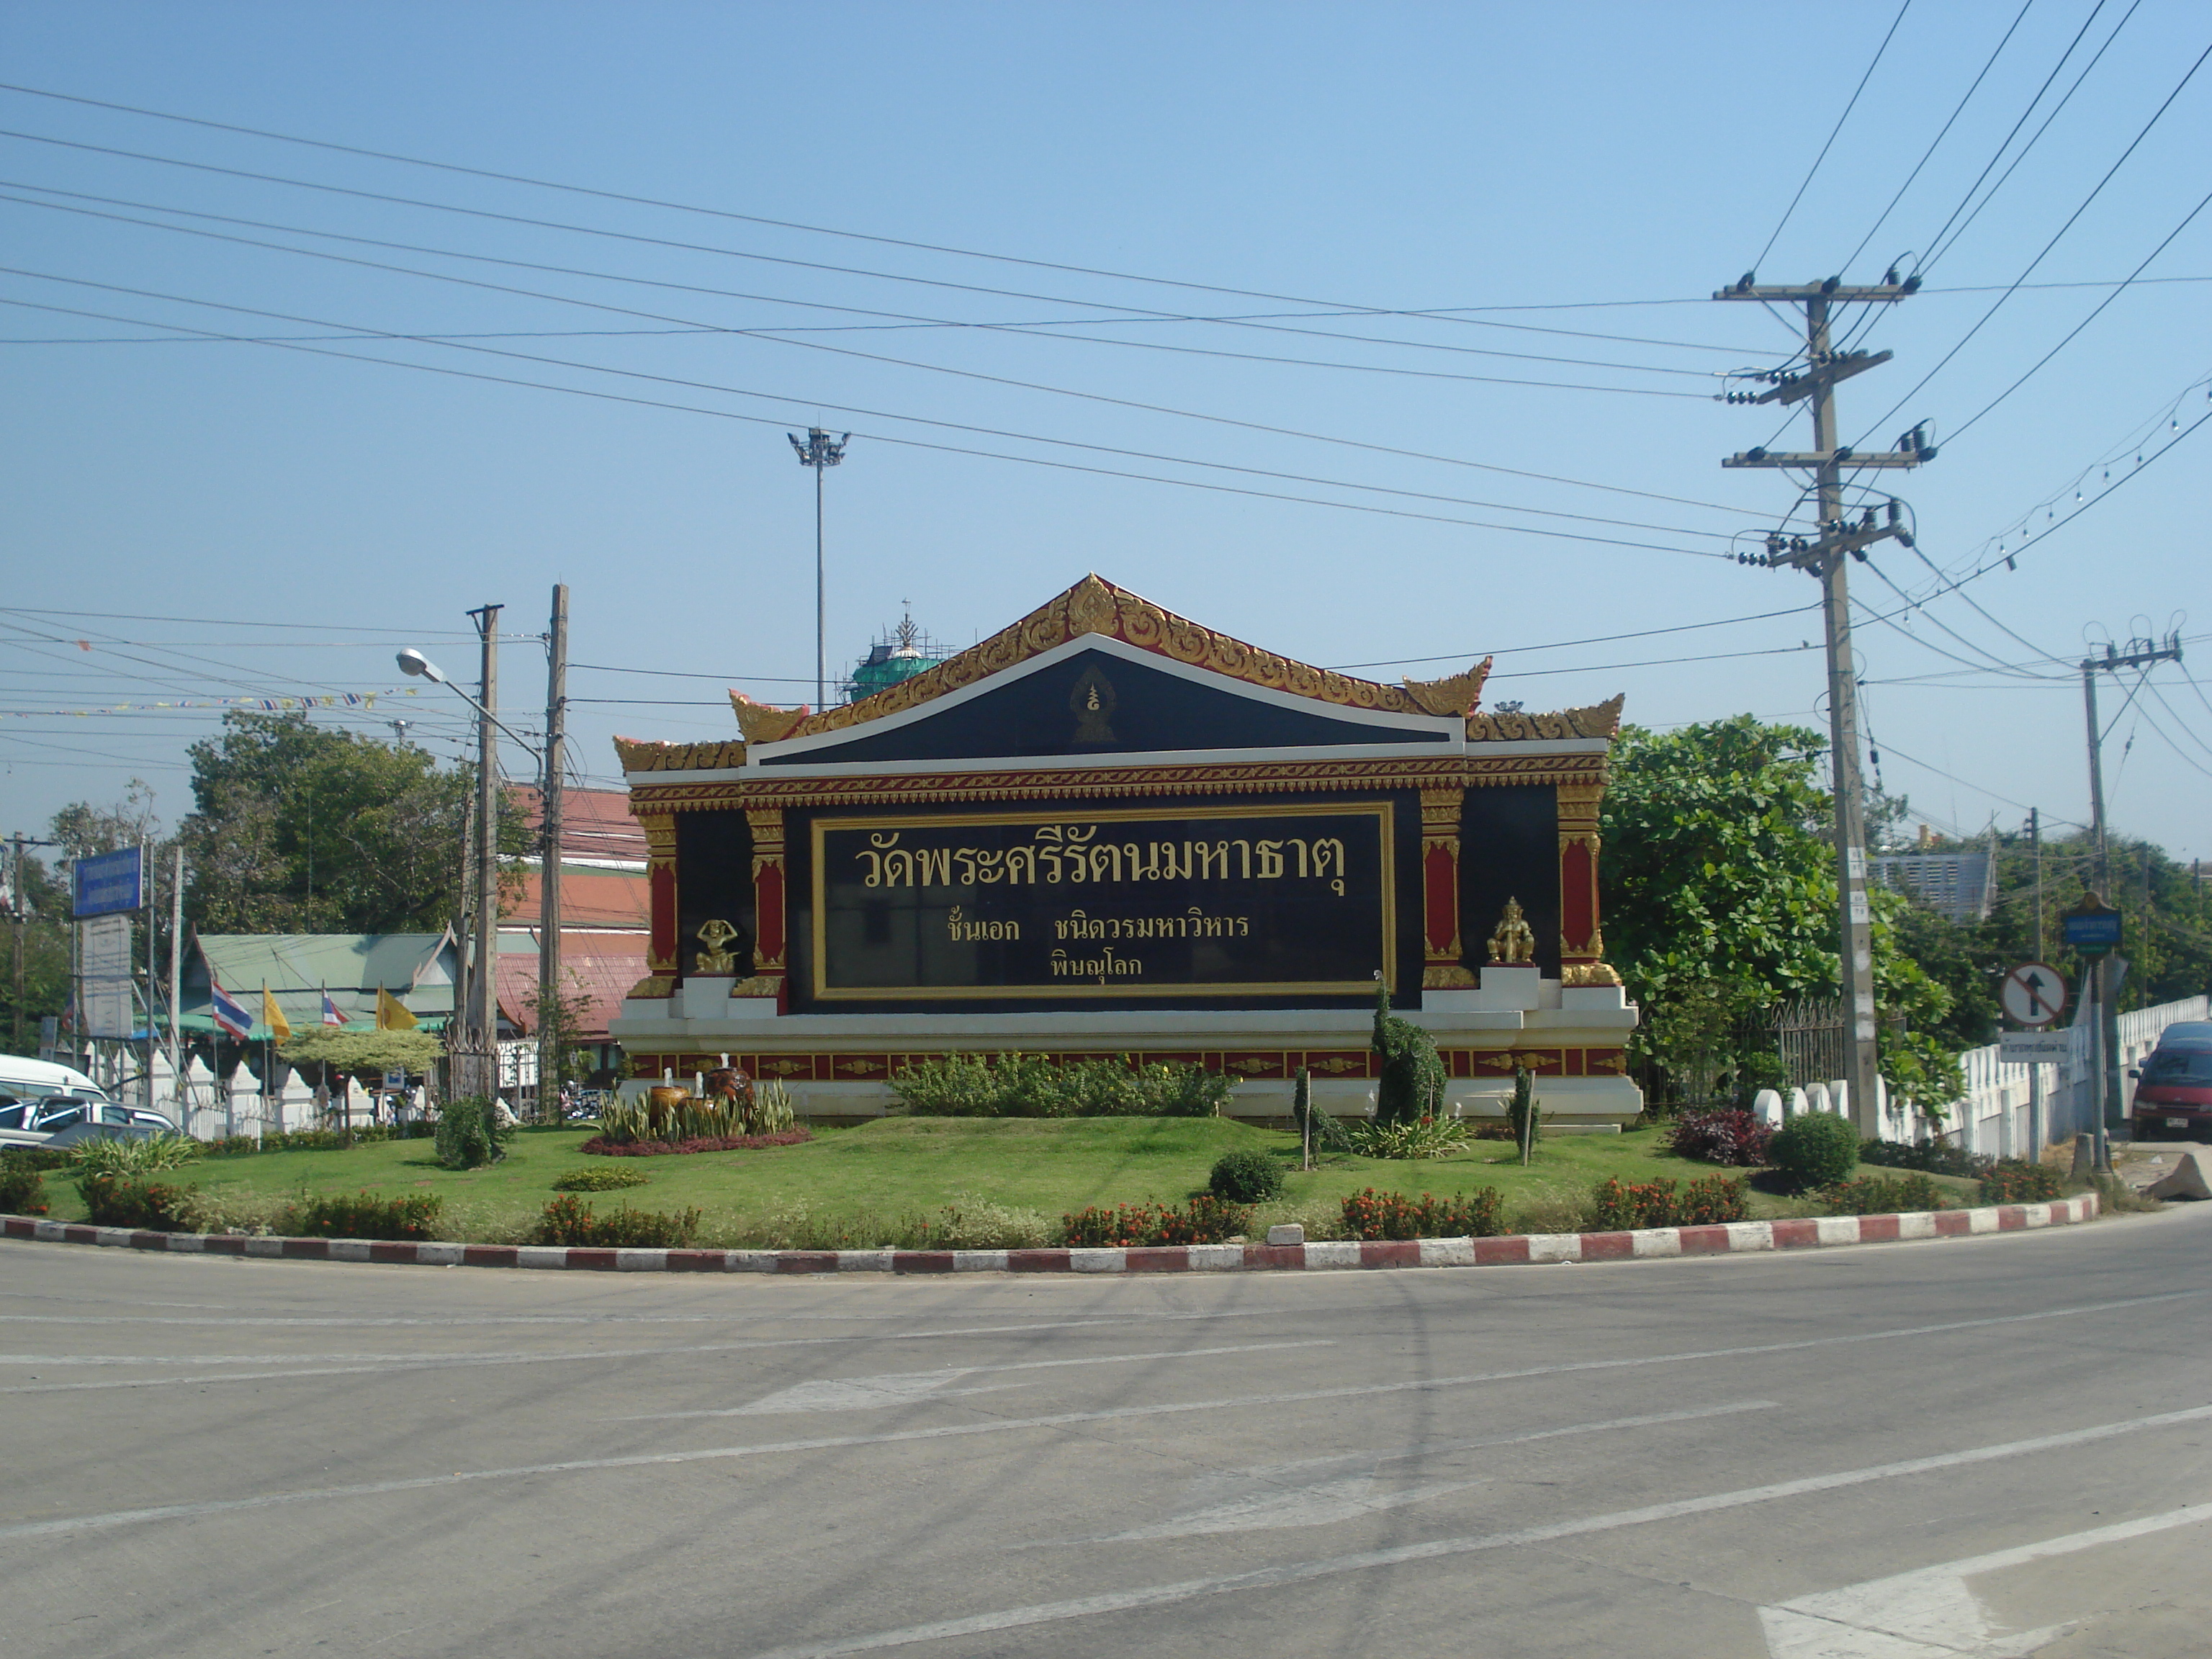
(2033, 993)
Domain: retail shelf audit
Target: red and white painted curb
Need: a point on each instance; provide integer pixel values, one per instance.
(1516, 1250)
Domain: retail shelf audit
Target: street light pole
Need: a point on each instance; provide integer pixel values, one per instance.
(483, 987)
(820, 450)
(548, 864)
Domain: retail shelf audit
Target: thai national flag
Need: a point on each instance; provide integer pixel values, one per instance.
(229, 1013)
(331, 1014)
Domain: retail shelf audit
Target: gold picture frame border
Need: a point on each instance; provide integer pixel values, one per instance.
(1383, 811)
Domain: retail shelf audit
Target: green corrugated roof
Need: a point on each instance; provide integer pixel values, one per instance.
(298, 968)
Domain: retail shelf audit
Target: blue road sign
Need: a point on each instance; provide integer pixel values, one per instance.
(2098, 930)
(111, 884)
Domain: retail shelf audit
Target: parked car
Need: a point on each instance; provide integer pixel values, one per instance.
(64, 1119)
(2174, 1085)
(22, 1079)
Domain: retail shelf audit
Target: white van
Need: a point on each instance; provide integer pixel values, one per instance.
(34, 1079)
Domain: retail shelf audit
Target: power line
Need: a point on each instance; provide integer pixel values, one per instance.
(1942, 134)
(1937, 243)
(900, 321)
(2070, 218)
(1131, 314)
(1954, 435)
(1446, 313)
(915, 443)
(1599, 639)
(462, 344)
(1833, 134)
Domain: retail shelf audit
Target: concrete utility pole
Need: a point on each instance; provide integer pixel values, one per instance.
(2139, 653)
(483, 987)
(19, 908)
(820, 450)
(1825, 556)
(178, 1097)
(549, 865)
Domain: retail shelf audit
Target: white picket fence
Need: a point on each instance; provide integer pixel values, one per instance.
(1996, 1115)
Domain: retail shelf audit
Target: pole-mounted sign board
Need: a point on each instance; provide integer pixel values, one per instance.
(2035, 1047)
(2033, 993)
(111, 884)
(2092, 933)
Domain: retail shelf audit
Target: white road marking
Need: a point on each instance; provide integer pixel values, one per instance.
(836, 1394)
(417, 1361)
(1157, 1595)
(1264, 1497)
(1928, 1613)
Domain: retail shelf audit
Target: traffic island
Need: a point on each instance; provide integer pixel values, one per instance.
(1519, 1249)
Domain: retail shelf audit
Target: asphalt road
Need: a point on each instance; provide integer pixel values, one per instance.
(1879, 1453)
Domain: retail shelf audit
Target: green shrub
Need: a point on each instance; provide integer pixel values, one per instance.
(571, 1221)
(1373, 1215)
(1931, 1156)
(1711, 1199)
(1622, 1206)
(605, 1178)
(119, 1157)
(1246, 1175)
(122, 1201)
(22, 1189)
(1882, 1194)
(1816, 1150)
(35, 1157)
(2013, 1181)
(971, 1222)
(361, 1215)
(1031, 1086)
(1204, 1220)
(1409, 1139)
(469, 1134)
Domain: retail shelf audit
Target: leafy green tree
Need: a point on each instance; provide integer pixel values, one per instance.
(299, 828)
(1720, 902)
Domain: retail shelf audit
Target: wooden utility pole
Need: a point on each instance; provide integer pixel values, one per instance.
(548, 866)
(178, 1096)
(1826, 557)
(484, 987)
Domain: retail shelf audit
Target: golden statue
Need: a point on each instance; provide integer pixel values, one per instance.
(1513, 940)
(714, 961)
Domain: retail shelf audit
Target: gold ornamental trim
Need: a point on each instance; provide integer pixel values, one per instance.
(637, 755)
(652, 988)
(1598, 720)
(1574, 974)
(763, 722)
(1447, 977)
(760, 985)
(1095, 605)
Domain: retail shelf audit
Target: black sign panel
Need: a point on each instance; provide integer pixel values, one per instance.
(1076, 903)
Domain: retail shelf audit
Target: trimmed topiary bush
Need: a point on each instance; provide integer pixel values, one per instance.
(468, 1134)
(1815, 1151)
(1246, 1175)
(605, 1178)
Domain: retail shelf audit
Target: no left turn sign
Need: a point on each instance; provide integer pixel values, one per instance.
(2033, 993)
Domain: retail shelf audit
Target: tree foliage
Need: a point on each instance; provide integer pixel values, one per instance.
(1720, 902)
(302, 829)
(364, 1054)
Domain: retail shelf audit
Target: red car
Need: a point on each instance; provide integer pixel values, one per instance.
(2173, 1087)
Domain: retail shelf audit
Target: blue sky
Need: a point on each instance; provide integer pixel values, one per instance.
(1565, 184)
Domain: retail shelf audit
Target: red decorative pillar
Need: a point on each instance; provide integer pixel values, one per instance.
(1442, 969)
(771, 923)
(1582, 941)
(660, 886)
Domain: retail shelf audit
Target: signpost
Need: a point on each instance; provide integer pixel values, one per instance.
(2033, 994)
(2093, 930)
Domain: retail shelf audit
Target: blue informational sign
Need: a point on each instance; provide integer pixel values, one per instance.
(111, 884)
(2100, 930)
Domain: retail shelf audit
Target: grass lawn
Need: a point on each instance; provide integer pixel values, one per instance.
(869, 1184)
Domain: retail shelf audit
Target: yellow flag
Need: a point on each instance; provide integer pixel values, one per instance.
(392, 1014)
(273, 1017)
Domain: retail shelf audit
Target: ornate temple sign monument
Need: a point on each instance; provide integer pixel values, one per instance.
(1108, 830)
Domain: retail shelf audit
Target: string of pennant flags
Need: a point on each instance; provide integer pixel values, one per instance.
(270, 705)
